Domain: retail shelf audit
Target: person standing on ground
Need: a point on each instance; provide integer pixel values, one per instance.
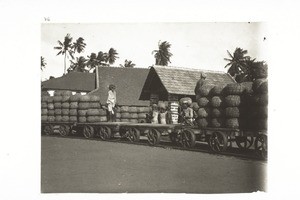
(111, 102)
(200, 82)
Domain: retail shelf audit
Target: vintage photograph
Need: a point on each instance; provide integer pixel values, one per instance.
(154, 107)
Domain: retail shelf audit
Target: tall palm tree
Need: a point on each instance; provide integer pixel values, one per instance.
(237, 62)
(128, 63)
(79, 65)
(102, 58)
(65, 48)
(111, 56)
(162, 55)
(79, 45)
(43, 63)
(92, 61)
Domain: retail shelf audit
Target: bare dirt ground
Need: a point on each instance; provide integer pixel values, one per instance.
(79, 165)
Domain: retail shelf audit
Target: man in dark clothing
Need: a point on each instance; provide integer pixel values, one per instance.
(200, 82)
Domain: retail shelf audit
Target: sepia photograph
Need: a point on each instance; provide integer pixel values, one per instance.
(154, 107)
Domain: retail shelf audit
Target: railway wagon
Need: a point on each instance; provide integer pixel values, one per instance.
(218, 139)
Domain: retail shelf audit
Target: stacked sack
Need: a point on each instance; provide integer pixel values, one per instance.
(132, 114)
(204, 110)
(61, 105)
(83, 106)
(73, 113)
(232, 99)
(51, 111)
(95, 113)
(44, 106)
(259, 105)
(217, 118)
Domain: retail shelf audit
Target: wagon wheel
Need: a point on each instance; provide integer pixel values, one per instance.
(133, 135)
(218, 141)
(122, 132)
(244, 142)
(64, 130)
(261, 146)
(188, 138)
(104, 133)
(153, 136)
(48, 130)
(88, 131)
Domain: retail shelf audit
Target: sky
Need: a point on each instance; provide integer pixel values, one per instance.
(193, 45)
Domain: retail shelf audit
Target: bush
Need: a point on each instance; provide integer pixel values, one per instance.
(217, 90)
(73, 112)
(73, 118)
(204, 91)
(81, 112)
(51, 113)
(65, 105)
(57, 112)
(75, 98)
(84, 105)
(57, 105)
(232, 112)
(65, 112)
(44, 112)
(217, 112)
(94, 98)
(232, 100)
(234, 89)
(232, 123)
(217, 122)
(202, 122)
(74, 105)
(202, 102)
(82, 119)
(216, 102)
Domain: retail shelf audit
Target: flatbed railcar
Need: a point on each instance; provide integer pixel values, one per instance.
(218, 139)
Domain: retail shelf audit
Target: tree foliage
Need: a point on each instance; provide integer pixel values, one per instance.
(162, 55)
(43, 63)
(128, 63)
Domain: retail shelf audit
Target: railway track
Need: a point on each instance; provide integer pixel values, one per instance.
(248, 154)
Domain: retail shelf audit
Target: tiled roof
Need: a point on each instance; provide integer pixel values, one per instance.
(128, 82)
(75, 81)
(182, 81)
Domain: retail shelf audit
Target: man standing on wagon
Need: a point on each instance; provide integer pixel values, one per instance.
(111, 102)
(200, 82)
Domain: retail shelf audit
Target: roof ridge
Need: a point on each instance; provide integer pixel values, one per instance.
(118, 67)
(189, 69)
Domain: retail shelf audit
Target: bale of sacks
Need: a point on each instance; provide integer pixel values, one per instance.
(142, 113)
(73, 105)
(202, 115)
(44, 108)
(83, 106)
(89, 109)
(217, 103)
(50, 108)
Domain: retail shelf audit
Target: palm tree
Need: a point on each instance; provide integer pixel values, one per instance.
(65, 48)
(128, 63)
(102, 58)
(162, 55)
(79, 45)
(43, 63)
(237, 62)
(111, 56)
(92, 61)
(79, 65)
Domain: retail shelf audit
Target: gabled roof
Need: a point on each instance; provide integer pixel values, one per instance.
(182, 81)
(75, 81)
(128, 81)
